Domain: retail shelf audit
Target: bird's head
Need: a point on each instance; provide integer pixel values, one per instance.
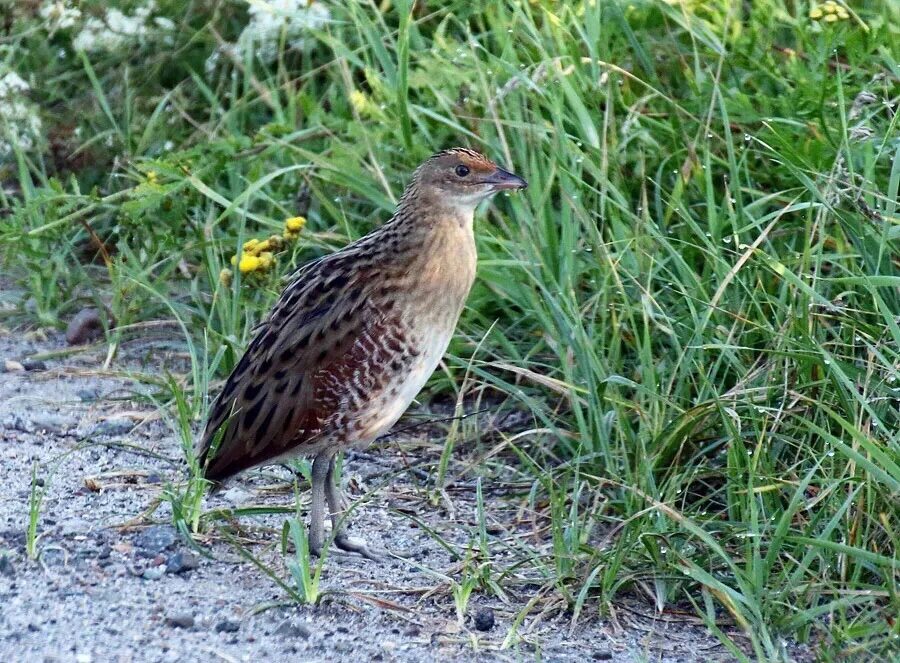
(463, 178)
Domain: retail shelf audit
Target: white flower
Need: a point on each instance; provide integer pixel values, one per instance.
(20, 124)
(59, 15)
(116, 30)
(270, 18)
(12, 84)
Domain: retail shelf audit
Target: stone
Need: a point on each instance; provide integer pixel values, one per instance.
(51, 423)
(154, 572)
(228, 626)
(154, 540)
(6, 567)
(87, 395)
(182, 562)
(180, 620)
(291, 629)
(484, 619)
(113, 427)
(85, 326)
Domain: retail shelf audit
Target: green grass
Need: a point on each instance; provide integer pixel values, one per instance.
(697, 299)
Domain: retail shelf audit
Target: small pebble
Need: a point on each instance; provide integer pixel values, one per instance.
(182, 562)
(90, 394)
(34, 365)
(84, 327)
(11, 366)
(52, 557)
(236, 495)
(154, 572)
(180, 620)
(6, 566)
(114, 427)
(154, 540)
(227, 626)
(52, 423)
(603, 655)
(484, 619)
(292, 629)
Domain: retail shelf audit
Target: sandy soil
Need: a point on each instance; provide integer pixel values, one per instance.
(100, 589)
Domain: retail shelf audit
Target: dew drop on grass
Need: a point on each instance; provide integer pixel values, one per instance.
(727, 240)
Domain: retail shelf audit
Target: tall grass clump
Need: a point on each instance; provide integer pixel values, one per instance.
(696, 300)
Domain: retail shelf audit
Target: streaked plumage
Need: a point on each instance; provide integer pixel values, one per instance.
(355, 335)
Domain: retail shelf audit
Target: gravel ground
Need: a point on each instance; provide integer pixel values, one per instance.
(114, 584)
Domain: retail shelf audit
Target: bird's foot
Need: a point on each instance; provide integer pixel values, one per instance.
(358, 546)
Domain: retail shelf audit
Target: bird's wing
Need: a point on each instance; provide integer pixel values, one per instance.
(287, 388)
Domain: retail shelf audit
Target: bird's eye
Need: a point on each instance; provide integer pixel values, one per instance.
(462, 171)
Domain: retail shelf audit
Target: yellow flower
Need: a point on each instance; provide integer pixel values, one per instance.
(225, 277)
(152, 177)
(266, 260)
(294, 224)
(830, 12)
(250, 245)
(360, 102)
(249, 264)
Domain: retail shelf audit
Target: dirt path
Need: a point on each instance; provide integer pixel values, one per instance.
(102, 591)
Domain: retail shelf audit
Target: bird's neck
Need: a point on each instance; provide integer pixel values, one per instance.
(431, 212)
(438, 243)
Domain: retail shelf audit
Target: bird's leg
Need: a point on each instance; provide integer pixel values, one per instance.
(321, 477)
(336, 506)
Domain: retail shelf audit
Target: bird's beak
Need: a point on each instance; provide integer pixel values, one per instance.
(503, 180)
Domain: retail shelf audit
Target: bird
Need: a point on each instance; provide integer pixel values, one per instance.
(353, 338)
